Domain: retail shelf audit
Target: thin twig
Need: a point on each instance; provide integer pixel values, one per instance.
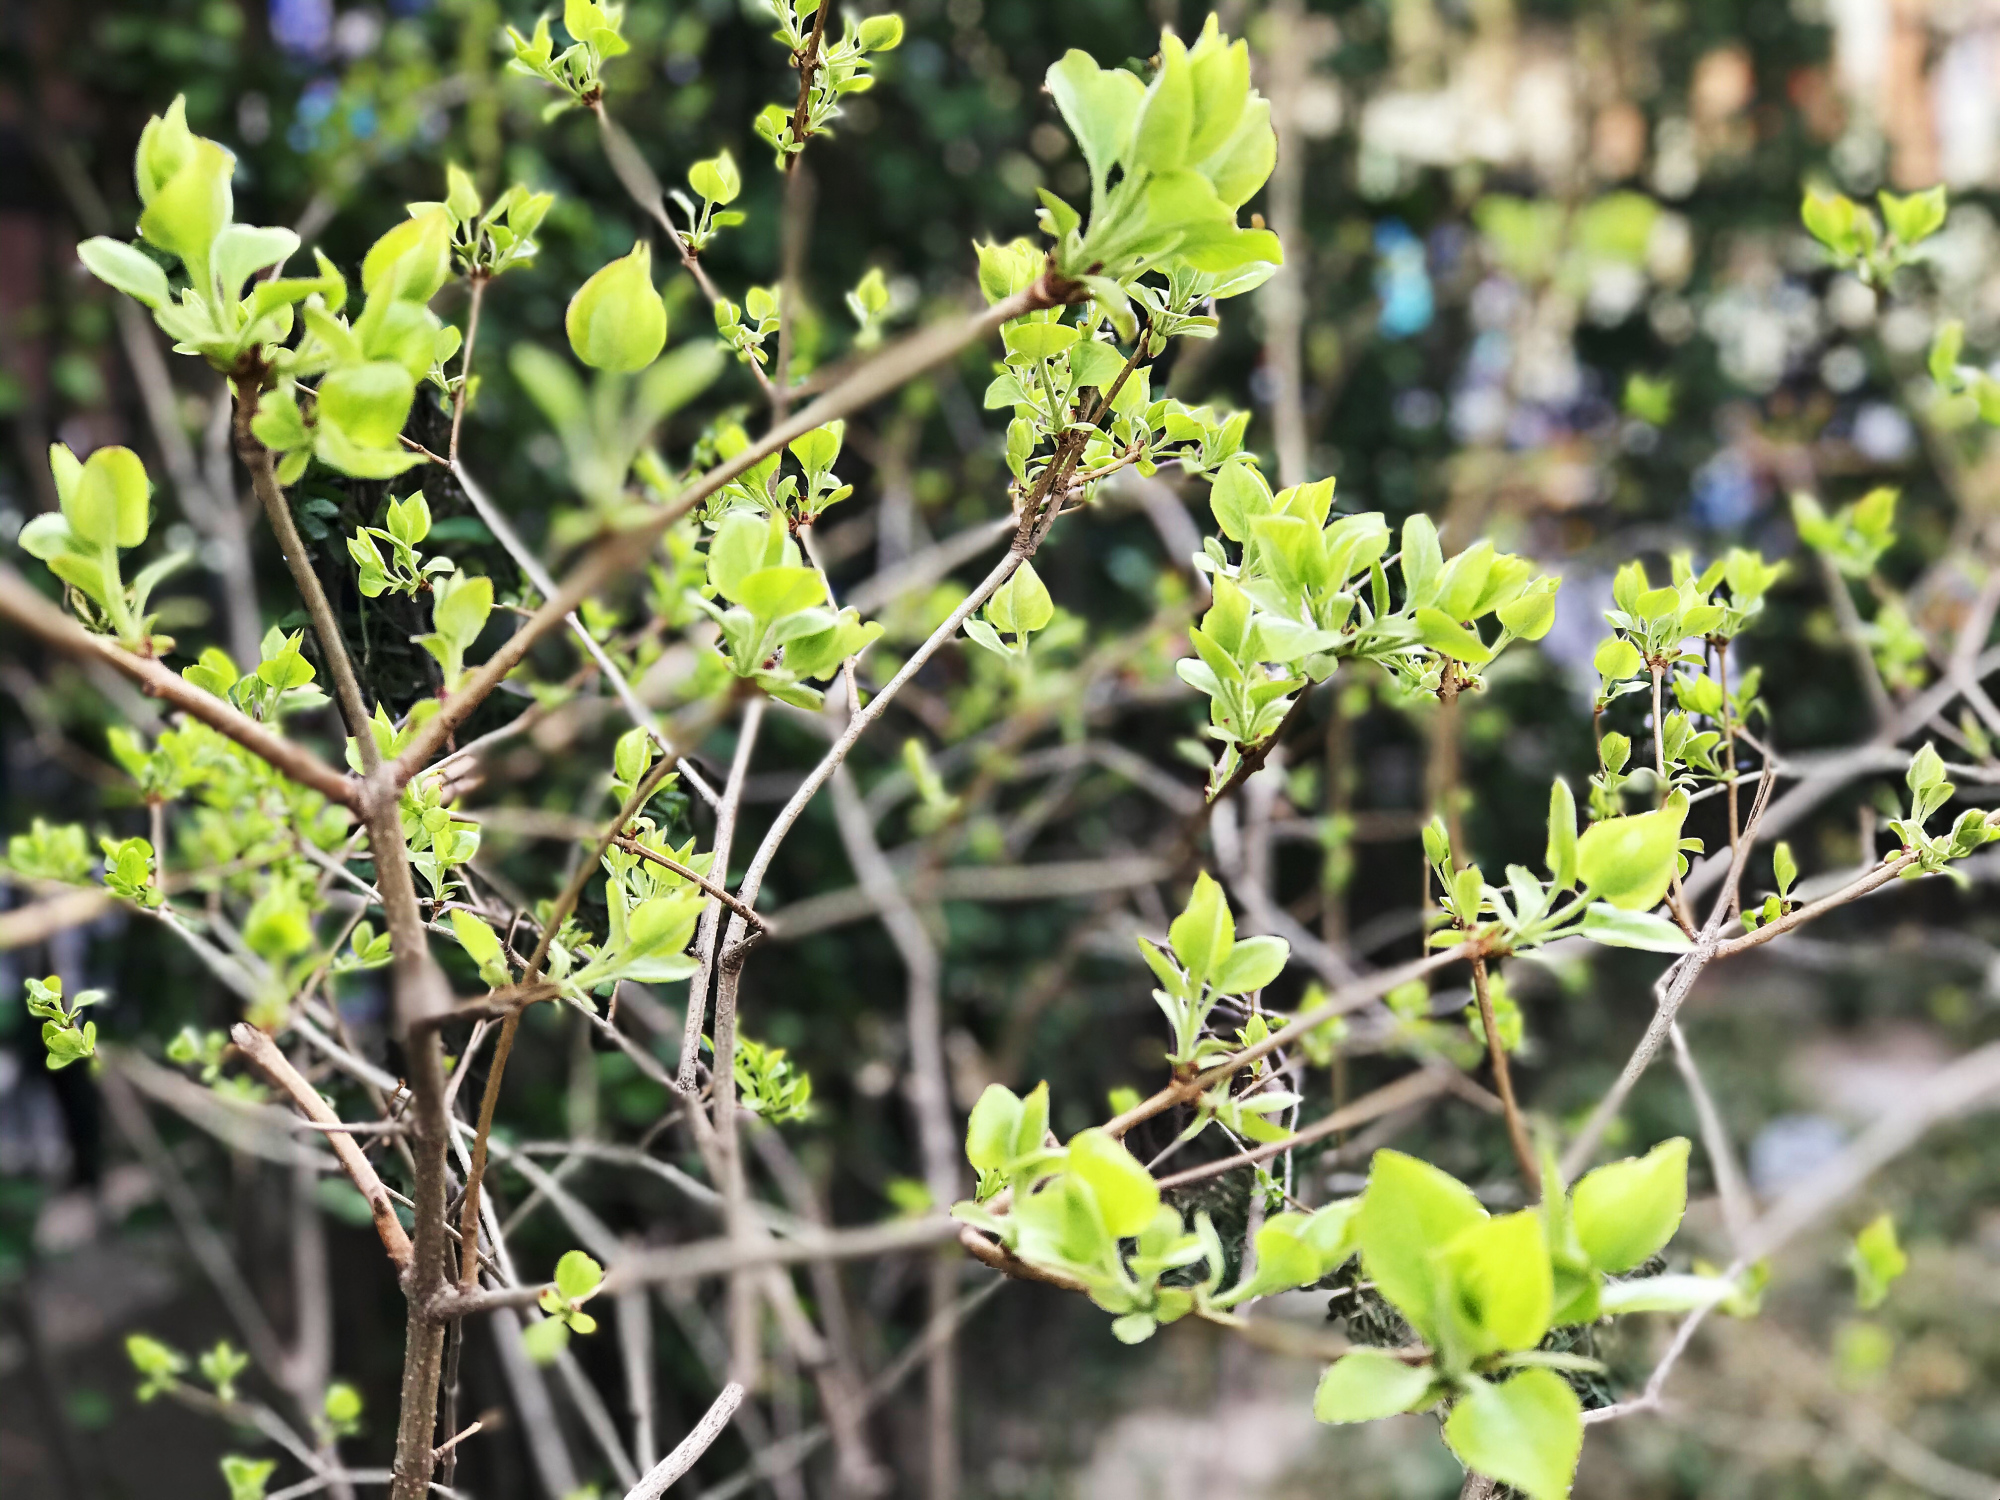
(689, 1450)
(274, 1065)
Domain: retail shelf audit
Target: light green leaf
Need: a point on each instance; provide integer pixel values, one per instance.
(1252, 963)
(1526, 1433)
(1127, 1196)
(125, 268)
(1446, 636)
(616, 320)
(577, 1276)
(1643, 930)
(1626, 1211)
(1560, 853)
(107, 504)
(1203, 934)
(1100, 105)
(1629, 862)
(1501, 1288)
(1408, 1210)
(990, 1133)
(1369, 1384)
(1021, 605)
(1877, 1260)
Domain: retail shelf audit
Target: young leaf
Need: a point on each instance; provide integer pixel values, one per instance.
(616, 320)
(989, 1134)
(1204, 932)
(1643, 930)
(1408, 1210)
(1560, 853)
(1126, 1194)
(1501, 1285)
(578, 1276)
(1629, 862)
(1876, 1260)
(1367, 1384)
(1526, 1433)
(1627, 1211)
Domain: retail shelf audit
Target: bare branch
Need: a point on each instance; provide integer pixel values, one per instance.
(689, 1450)
(719, 1257)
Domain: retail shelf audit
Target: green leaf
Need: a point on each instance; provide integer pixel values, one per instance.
(187, 211)
(716, 180)
(1501, 1286)
(1526, 1433)
(817, 450)
(107, 503)
(1205, 931)
(1630, 862)
(1368, 1384)
(1127, 1196)
(412, 261)
(1021, 605)
(482, 946)
(1643, 930)
(1423, 561)
(577, 1276)
(246, 1477)
(990, 1133)
(771, 593)
(1100, 105)
(1162, 132)
(1829, 218)
(1943, 361)
(1446, 636)
(1408, 1210)
(1667, 1294)
(1625, 1212)
(125, 268)
(242, 250)
(616, 320)
(1238, 497)
(880, 33)
(1877, 1260)
(1915, 216)
(1617, 659)
(462, 606)
(368, 402)
(1039, 341)
(545, 1341)
(1252, 963)
(1559, 855)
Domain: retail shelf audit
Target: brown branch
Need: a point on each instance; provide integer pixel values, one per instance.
(24, 606)
(265, 1056)
(262, 465)
(1503, 1081)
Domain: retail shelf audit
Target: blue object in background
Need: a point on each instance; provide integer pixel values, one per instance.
(303, 27)
(1401, 281)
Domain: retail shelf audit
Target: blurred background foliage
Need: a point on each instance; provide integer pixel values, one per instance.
(1547, 283)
